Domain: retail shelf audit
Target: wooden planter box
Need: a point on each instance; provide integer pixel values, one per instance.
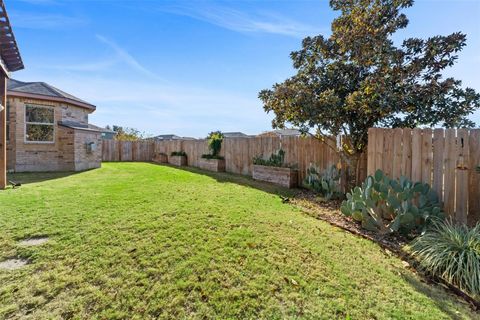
(178, 161)
(285, 177)
(160, 158)
(216, 165)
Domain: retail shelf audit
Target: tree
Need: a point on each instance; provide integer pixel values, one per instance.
(127, 134)
(358, 78)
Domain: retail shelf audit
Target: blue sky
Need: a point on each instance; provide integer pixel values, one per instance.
(190, 67)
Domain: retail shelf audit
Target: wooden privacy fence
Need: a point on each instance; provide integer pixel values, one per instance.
(238, 152)
(444, 158)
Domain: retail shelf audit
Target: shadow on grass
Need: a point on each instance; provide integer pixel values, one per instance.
(438, 296)
(33, 177)
(247, 181)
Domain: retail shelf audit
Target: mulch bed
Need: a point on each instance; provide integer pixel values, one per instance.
(329, 211)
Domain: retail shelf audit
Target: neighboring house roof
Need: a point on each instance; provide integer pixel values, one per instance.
(234, 134)
(167, 137)
(81, 126)
(42, 90)
(9, 52)
(282, 132)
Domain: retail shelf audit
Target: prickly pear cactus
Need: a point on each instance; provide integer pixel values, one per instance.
(326, 182)
(385, 205)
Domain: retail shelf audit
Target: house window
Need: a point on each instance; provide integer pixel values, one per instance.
(39, 123)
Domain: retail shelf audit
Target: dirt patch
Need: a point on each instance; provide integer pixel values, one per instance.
(36, 241)
(13, 264)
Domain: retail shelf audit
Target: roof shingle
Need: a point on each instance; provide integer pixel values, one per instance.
(43, 89)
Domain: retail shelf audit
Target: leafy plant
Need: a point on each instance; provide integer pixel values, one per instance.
(325, 182)
(214, 140)
(478, 169)
(451, 252)
(178, 154)
(277, 159)
(385, 205)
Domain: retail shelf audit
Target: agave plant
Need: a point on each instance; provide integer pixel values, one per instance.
(451, 252)
(386, 205)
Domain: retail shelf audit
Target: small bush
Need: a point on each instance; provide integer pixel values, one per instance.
(277, 159)
(385, 205)
(451, 252)
(178, 154)
(324, 182)
(214, 140)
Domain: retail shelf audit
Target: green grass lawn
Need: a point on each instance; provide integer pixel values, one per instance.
(141, 241)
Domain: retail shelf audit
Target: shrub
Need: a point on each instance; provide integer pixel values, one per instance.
(211, 156)
(178, 153)
(214, 140)
(326, 182)
(384, 205)
(451, 252)
(276, 159)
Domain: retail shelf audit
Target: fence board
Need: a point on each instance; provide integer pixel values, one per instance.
(397, 153)
(438, 150)
(388, 153)
(417, 154)
(407, 152)
(461, 188)
(449, 175)
(427, 156)
(474, 190)
(379, 149)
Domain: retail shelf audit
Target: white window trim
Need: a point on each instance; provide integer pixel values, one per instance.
(38, 123)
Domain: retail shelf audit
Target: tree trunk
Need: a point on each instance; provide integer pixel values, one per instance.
(352, 173)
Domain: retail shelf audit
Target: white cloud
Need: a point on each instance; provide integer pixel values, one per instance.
(127, 58)
(30, 20)
(119, 56)
(239, 21)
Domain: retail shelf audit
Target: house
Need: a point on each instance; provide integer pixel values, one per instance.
(107, 133)
(10, 61)
(234, 135)
(281, 133)
(48, 130)
(170, 137)
(167, 137)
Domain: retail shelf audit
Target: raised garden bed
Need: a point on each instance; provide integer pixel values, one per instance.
(160, 158)
(216, 165)
(178, 161)
(285, 177)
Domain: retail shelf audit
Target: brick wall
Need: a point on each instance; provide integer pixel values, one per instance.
(60, 155)
(84, 159)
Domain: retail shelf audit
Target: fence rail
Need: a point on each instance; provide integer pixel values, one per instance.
(444, 158)
(238, 152)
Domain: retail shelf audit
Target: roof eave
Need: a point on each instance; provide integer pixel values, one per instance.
(20, 94)
(9, 51)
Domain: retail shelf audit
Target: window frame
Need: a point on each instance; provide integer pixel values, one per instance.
(25, 140)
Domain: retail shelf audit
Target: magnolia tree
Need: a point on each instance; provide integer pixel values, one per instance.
(359, 78)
